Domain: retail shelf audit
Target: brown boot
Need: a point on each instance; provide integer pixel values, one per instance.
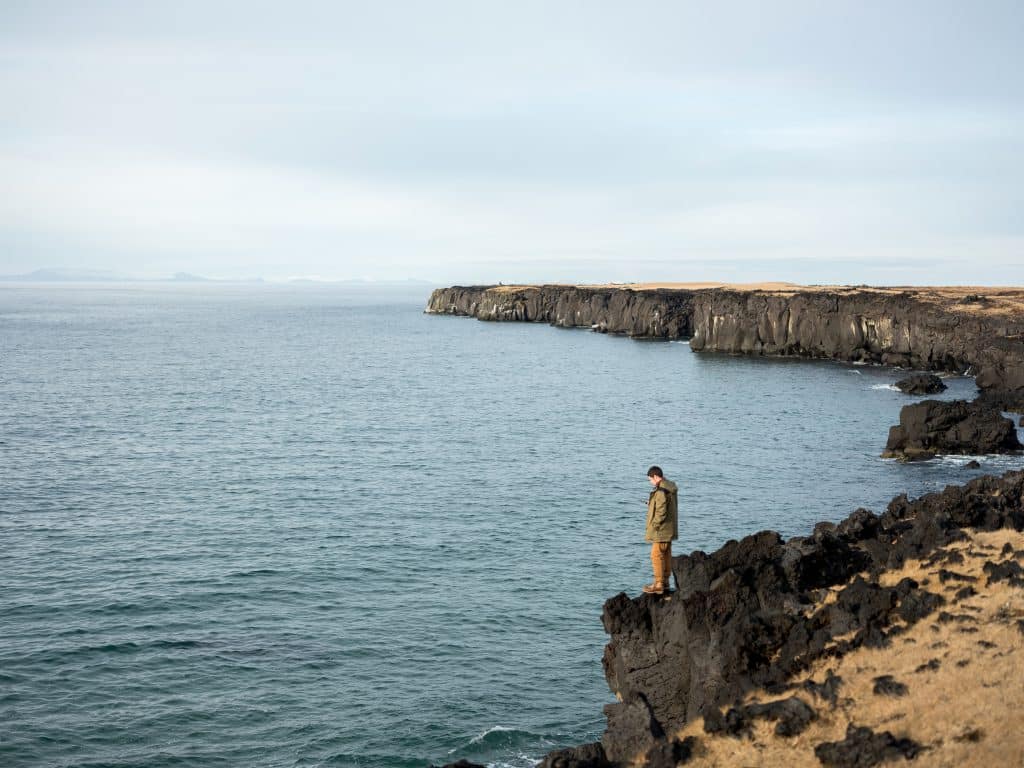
(657, 588)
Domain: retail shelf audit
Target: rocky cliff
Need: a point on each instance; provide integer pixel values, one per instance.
(744, 638)
(659, 314)
(761, 614)
(954, 330)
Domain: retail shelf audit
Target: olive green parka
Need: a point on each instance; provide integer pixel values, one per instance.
(663, 512)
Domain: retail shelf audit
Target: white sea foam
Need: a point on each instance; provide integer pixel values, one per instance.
(522, 758)
(479, 738)
(961, 459)
(892, 387)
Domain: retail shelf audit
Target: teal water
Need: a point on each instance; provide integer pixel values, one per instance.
(269, 526)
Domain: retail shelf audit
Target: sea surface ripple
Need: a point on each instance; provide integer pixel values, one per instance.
(312, 526)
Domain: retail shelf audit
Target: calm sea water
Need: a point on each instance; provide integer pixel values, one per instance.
(267, 526)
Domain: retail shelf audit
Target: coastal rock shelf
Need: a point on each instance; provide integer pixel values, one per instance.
(975, 331)
(749, 655)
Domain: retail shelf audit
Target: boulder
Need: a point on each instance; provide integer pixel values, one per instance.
(670, 753)
(585, 756)
(863, 748)
(632, 729)
(792, 717)
(932, 427)
(921, 384)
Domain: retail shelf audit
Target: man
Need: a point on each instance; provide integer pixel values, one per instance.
(662, 528)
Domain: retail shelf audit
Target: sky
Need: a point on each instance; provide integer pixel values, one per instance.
(467, 142)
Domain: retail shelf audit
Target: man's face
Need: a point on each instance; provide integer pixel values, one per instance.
(654, 480)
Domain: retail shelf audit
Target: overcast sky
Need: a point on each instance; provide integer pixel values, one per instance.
(856, 142)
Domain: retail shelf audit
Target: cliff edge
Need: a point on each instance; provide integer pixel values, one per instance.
(883, 637)
(752, 646)
(977, 331)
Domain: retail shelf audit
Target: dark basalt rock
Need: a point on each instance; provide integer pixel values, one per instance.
(744, 618)
(632, 729)
(972, 464)
(936, 426)
(916, 604)
(886, 685)
(947, 575)
(793, 715)
(945, 617)
(945, 556)
(828, 689)
(658, 314)
(669, 754)
(964, 592)
(585, 756)
(921, 384)
(972, 735)
(863, 748)
(1009, 571)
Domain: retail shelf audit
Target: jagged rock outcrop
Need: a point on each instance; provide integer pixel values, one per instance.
(750, 615)
(584, 756)
(792, 716)
(921, 384)
(931, 427)
(863, 748)
(632, 728)
(916, 328)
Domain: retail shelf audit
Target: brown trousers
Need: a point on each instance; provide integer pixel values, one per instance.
(661, 560)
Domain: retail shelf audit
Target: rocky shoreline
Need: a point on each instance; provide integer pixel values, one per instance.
(978, 331)
(813, 650)
(760, 614)
(745, 651)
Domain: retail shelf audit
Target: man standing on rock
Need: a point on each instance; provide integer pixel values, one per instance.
(662, 528)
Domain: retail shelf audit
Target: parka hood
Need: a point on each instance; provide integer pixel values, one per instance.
(668, 485)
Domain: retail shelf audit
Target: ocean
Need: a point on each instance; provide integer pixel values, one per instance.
(262, 525)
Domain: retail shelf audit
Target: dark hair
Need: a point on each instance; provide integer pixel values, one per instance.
(655, 471)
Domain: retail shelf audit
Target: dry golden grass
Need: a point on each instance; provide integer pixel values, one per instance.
(968, 712)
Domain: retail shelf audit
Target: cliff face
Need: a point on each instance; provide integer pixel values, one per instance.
(649, 314)
(760, 611)
(893, 329)
(919, 328)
